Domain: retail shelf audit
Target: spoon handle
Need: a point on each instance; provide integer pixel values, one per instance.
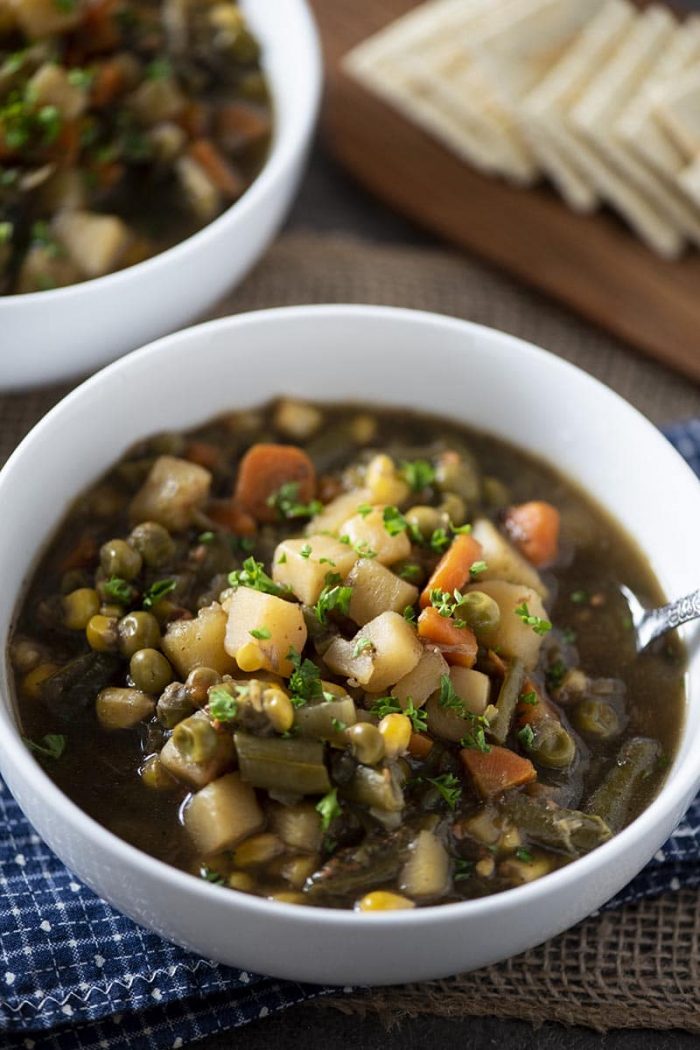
(668, 617)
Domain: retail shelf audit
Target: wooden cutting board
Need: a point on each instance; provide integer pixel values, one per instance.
(590, 263)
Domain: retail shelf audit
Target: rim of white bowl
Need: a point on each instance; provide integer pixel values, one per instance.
(288, 139)
(682, 778)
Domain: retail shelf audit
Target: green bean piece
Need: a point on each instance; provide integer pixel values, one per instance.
(375, 862)
(376, 789)
(330, 448)
(277, 764)
(196, 739)
(423, 519)
(596, 719)
(327, 720)
(507, 702)
(117, 558)
(459, 474)
(479, 611)
(150, 671)
(565, 830)
(154, 543)
(174, 705)
(614, 799)
(552, 746)
(138, 630)
(70, 690)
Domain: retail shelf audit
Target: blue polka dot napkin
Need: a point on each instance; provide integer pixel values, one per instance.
(77, 975)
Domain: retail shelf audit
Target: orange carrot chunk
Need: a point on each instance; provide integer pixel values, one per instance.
(534, 529)
(497, 770)
(227, 514)
(452, 571)
(239, 124)
(264, 470)
(108, 82)
(203, 454)
(457, 644)
(419, 746)
(223, 175)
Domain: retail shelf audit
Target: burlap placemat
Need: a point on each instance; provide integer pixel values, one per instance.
(637, 967)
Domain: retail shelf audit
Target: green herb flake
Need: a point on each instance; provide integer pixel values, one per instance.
(410, 572)
(6, 231)
(253, 575)
(159, 69)
(440, 541)
(389, 705)
(448, 697)
(364, 509)
(537, 623)
(209, 875)
(363, 645)
(449, 787)
(529, 698)
(157, 591)
(364, 550)
(282, 560)
(394, 521)
(118, 590)
(261, 633)
(569, 635)
(409, 614)
(477, 568)
(418, 473)
(579, 597)
(305, 551)
(524, 855)
(526, 736)
(80, 78)
(50, 121)
(555, 674)
(475, 738)
(464, 869)
(329, 808)
(304, 681)
(50, 746)
(338, 725)
(326, 561)
(461, 530)
(222, 706)
(332, 598)
(286, 503)
(206, 538)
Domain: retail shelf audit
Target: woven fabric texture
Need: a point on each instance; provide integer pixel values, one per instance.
(69, 964)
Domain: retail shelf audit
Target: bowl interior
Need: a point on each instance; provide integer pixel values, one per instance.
(377, 355)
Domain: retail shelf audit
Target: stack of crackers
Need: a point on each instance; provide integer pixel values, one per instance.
(599, 97)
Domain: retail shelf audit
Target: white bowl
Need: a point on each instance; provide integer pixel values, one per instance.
(399, 357)
(46, 336)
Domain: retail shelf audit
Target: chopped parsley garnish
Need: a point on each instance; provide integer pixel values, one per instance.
(579, 597)
(159, 68)
(50, 746)
(222, 706)
(529, 698)
(338, 725)
(569, 635)
(157, 591)
(389, 705)
(209, 875)
(538, 624)
(440, 541)
(118, 590)
(409, 614)
(80, 78)
(332, 597)
(326, 561)
(6, 231)
(411, 572)
(555, 674)
(329, 808)
(475, 738)
(282, 560)
(286, 502)
(524, 855)
(305, 551)
(394, 521)
(449, 787)
(304, 681)
(363, 645)
(448, 698)
(477, 567)
(261, 633)
(205, 537)
(253, 575)
(364, 550)
(526, 736)
(49, 119)
(364, 509)
(418, 473)
(464, 869)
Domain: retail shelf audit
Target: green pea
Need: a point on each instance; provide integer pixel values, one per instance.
(452, 510)
(459, 475)
(479, 611)
(199, 682)
(596, 719)
(117, 558)
(150, 671)
(138, 630)
(366, 742)
(196, 739)
(174, 705)
(102, 633)
(553, 747)
(154, 543)
(424, 519)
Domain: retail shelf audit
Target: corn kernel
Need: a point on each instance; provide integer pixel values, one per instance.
(396, 731)
(485, 867)
(521, 871)
(278, 708)
(241, 880)
(249, 657)
(31, 683)
(383, 900)
(296, 870)
(297, 420)
(79, 607)
(257, 850)
(383, 482)
(155, 776)
(287, 897)
(101, 633)
(363, 429)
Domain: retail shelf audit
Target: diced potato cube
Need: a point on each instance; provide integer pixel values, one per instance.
(43, 269)
(427, 871)
(157, 99)
(513, 637)
(222, 814)
(51, 86)
(95, 243)
(199, 642)
(39, 18)
(173, 490)
(202, 195)
(472, 687)
(305, 572)
(369, 531)
(123, 708)
(446, 722)
(376, 589)
(298, 826)
(280, 624)
(335, 513)
(423, 680)
(503, 560)
(385, 650)
(297, 420)
(197, 773)
(383, 481)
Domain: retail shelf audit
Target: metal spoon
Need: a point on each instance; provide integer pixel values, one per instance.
(651, 623)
